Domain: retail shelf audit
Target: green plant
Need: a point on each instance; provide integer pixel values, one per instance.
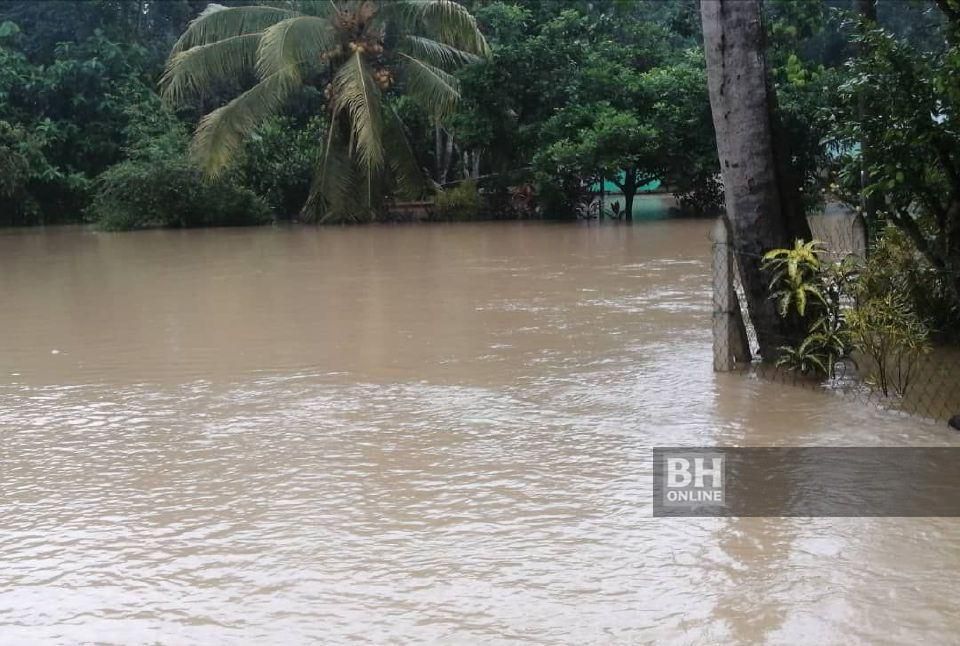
(807, 358)
(896, 265)
(890, 334)
(158, 187)
(459, 203)
(358, 51)
(815, 290)
(848, 307)
(795, 276)
(279, 160)
(171, 193)
(910, 162)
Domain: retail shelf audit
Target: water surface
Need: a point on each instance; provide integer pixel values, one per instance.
(433, 433)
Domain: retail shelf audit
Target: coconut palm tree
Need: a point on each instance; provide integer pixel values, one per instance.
(359, 51)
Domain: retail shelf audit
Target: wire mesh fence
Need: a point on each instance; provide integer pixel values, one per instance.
(921, 382)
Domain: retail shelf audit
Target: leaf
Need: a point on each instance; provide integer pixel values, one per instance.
(356, 93)
(403, 161)
(436, 53)
(290, 44)
(190, 72)
(436, 91)
(444, 20)
(335, 180)
(801, 298)
(217, 22)
(220, 134)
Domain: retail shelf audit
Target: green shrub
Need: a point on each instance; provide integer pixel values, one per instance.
(848, 308)
(813, 290)
(888, 332)
(279, 160)
(158, 186)
(896, 265)
(171, 193)
(459, 203)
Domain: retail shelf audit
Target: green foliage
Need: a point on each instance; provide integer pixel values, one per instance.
(686, 149)
(795, 276)
(885, 329)
(158, 187)
(804, 284)
(459, 203)
(911, 161)
(635, 107)
(171, 193)
(346, 48)
(849, 308)
(895, 265)
(68, 110)
(596, 140)
(811, 357)
(279, 160)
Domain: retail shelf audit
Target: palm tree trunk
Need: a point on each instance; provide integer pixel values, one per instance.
(740, 100)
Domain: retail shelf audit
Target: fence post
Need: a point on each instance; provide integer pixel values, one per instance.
(730, 345)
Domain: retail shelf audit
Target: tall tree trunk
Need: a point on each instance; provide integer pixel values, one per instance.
(869, 205)
(741, 101)
(471, 164)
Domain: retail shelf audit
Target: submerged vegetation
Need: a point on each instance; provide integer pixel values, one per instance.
(866, 313)
(134, 114)
(335, 110)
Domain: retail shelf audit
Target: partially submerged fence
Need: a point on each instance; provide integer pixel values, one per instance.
(933, 385)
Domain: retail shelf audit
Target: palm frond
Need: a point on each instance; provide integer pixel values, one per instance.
(446, 57)
(435, 90)
(221, 133)
(403, 162)
(217, 22)
(356, 92)
(189, 72)
(335, 180)
(291, 43)
(445, 20)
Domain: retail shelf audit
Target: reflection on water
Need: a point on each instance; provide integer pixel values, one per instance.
(431, 433)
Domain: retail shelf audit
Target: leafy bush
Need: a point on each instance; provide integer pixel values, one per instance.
(171, 193)
(849, 308)
(895, 265)
(891, 335)
(804, 284)
(158, 187)
(279, 160)
(459, 203)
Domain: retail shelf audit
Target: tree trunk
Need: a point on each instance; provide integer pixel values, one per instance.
(741, 101)
(603, 196)
(868, 205)
(471, 164)
(437, 152)
(443, 151)
(629, 192)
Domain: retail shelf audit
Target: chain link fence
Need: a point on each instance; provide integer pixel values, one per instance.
(925, 384)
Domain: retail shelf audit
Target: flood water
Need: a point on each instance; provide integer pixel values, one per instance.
(430, 433)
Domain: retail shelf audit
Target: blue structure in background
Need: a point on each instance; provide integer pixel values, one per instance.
(645, 207)
(612, 189)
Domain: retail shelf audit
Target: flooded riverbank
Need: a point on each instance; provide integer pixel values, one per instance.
(427, 433)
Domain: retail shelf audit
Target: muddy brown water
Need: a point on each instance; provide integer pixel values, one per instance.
(430, 433)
